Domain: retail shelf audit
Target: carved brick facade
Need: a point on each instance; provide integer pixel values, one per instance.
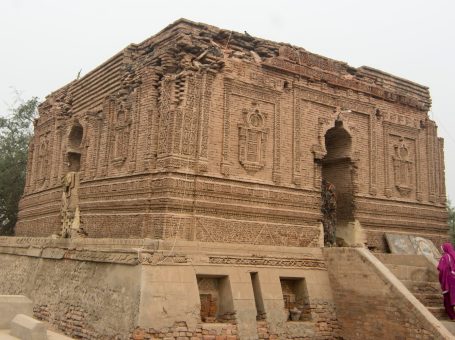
(200, 133)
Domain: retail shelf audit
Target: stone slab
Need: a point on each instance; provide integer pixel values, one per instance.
(413, 245)
(400, 244)
(426, 248)
(26, 328)
(11, 305)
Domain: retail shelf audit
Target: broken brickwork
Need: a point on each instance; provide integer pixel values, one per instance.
(200, 133)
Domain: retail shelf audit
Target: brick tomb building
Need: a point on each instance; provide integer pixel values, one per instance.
(205, 134)
(218, 142)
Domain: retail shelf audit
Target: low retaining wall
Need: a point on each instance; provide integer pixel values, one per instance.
(137, 289)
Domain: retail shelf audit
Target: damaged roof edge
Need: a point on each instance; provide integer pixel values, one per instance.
(170, 31)
(199, 25)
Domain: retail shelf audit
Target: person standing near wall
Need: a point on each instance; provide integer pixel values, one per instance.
(446, 269)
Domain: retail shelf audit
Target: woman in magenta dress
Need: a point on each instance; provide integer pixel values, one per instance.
(446, 269)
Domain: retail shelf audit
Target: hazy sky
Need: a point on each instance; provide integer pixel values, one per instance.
(44, 43)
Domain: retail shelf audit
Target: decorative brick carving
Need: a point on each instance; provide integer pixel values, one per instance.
(258, 233)
(269, 261)
(99, 256)
(257, 97)
(121, 121)
(252, 138)
(403, 168)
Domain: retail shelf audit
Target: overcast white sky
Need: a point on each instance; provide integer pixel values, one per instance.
(44, 43)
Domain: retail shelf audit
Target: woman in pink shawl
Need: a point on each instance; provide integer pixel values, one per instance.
(446, 269)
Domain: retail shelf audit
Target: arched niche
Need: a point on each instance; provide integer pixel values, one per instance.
(338, 142)
(75, 136)
(74, 147)
(338, 172)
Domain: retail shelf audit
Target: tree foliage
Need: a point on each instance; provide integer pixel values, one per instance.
(15, 134)
(451, 211)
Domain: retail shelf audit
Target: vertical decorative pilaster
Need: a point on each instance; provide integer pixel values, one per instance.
(442, 184)
(374, 120)
(418, 169)
(387, 184)
(430, 141)
(205, 101)
(225, 162)
(276, 174)
(134, 135)
(296, 153)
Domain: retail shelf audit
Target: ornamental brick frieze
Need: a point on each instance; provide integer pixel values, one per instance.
(269, 261)
(43, 196)
(100, 256)
(257, 233)
(162, 258)
(79, 255)
(95, 188)
(332, 100)
(389, 210)
(229, 188)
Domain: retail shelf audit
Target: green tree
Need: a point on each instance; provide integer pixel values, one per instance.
(451, 211)
(15, 133)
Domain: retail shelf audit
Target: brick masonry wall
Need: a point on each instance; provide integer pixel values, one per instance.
(81, 290)
(85, 300)
(180, 331)
(368, 306)
(323, 325)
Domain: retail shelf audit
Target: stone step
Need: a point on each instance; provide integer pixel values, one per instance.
(450, 325)
(422, 287)
(414, 273)
(411, 260)
(439, 313)
(430, 300)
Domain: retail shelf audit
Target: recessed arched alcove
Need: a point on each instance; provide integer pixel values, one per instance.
(337, 174)
(338, 142)
(74, 161)
(74, 147)
(75, 136)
